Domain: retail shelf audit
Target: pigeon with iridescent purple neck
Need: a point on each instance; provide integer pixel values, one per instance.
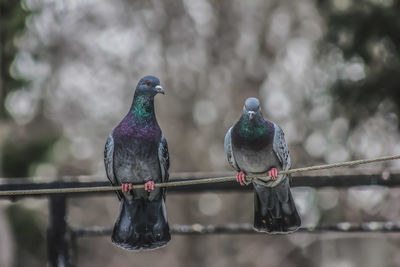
(255, 145)
(136, 152)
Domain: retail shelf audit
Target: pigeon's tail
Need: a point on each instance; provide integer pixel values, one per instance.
(274, 209)
(141, 224)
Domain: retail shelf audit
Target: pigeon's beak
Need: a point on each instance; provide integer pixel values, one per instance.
(251, 114)
(160, 90)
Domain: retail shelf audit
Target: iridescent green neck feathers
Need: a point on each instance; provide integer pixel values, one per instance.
(143, 107)
(252, 128)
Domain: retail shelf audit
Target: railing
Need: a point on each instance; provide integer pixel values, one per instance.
(61, 238)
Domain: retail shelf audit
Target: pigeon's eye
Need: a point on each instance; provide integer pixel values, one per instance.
(147, 83)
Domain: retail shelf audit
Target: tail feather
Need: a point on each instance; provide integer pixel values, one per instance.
(275, 210)
(141, 224)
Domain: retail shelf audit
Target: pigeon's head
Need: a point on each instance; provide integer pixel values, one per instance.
(149, 85)
(251, 107)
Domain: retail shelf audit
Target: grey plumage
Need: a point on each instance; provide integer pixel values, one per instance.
(280, 148)
(253, 146)
(109, 163)
(136, 151)
(228, 150)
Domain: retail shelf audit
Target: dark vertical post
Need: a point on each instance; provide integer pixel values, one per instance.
(73, 249)
(57, 235)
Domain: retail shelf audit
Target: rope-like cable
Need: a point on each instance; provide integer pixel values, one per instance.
(192, 182)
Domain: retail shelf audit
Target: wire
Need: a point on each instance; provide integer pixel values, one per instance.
(199, 229)
(191, 182)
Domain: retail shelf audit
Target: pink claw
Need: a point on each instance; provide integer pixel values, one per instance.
(273, 173)
(126, 187)
(241, 177)
(149, 186)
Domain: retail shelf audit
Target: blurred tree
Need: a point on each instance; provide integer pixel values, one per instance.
(12, 23)
(368, 33)
(18, 156)
(27, 144)
(29, 231)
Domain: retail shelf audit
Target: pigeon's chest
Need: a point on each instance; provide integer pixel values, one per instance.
(136, 147)
(252, 161)
(136, 156)
(254, 153)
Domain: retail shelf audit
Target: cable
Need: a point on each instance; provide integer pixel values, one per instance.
(191, 182)
(198, 229)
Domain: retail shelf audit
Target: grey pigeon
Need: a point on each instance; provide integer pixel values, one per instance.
(255, 145)
(136, 152)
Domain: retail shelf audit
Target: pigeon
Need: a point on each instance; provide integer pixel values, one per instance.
(255, 145)
(136, 152)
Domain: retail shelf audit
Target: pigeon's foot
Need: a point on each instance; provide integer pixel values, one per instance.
(273, 173)
(126, 187)
(149, 186)
(241, 178)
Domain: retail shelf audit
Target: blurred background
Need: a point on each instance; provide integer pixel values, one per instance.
(328, 72)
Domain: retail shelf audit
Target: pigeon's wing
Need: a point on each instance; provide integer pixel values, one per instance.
(280, 148)
(109, 162)
(228, 150)
(163, 157)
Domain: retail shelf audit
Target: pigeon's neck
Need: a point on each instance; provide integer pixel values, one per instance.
(142, 108)
(254, 128)
(253, 133)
